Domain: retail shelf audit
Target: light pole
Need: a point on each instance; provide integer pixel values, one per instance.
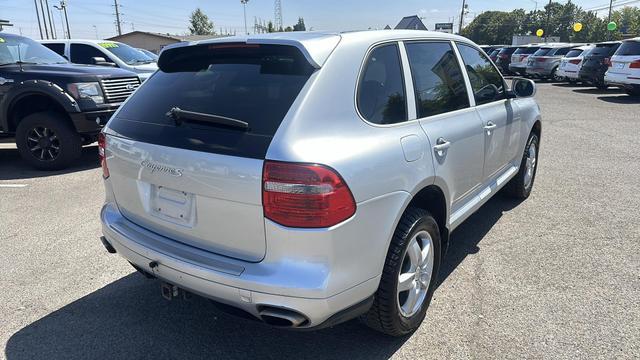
(535, 2)
(244, 8)
(95, 28)
(35, 2)
(546, 31)
(609, 21)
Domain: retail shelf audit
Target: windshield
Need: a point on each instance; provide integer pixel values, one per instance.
(127, 54)
(629, 48)
(14, 49)
(150, 54)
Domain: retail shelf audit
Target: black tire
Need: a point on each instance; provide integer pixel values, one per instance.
(517, 187)
(384, 315)
(635, 92)
(66, 139)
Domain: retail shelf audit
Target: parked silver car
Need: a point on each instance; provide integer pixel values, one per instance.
(545, 62)
(310, 178)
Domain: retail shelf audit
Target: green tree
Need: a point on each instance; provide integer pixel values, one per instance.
(628, 21)
(200, 23)
(288, 29)
(300, 26)
(270, 27)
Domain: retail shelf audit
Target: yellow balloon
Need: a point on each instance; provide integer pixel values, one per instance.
(540, 32)
(577, 27)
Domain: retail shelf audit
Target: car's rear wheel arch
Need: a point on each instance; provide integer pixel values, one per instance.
(432, 199)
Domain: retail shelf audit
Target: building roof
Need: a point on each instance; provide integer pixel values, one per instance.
(411, 23)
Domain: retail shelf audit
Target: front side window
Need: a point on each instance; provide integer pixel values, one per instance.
(437, 78)
(486, 81)
(381, 95)
(57, 48)
(84, 54)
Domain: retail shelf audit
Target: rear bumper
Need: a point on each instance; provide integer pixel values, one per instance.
(518, 68)
(539, 71)
(569, 74)
(621, 79)
(304, 271)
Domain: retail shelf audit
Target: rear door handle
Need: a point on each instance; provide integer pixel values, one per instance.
(490, 126)
(441, 146)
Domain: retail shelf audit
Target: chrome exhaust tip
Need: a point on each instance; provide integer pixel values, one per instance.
(280, 317)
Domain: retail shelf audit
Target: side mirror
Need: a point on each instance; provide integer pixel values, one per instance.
(523, 88)
(100, 61)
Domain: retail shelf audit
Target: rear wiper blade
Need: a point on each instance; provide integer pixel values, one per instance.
(180, 116)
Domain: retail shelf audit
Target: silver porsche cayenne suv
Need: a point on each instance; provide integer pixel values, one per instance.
(310, 178)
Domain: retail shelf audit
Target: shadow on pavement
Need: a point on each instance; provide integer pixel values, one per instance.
(623, 99)
(12, 167)
(597, 91)
(129, 319)
(465, 239)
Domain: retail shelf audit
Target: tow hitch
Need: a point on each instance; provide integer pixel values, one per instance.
(169, 292)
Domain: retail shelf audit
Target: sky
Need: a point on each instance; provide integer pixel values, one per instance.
(95, 18)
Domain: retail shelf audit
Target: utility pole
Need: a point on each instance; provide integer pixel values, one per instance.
(44, 20)
(464, 8)
(118, 24)
(63, 8)
(610, 10)
(51, 27)
(546, 31)
(244, 8)
(35, 2)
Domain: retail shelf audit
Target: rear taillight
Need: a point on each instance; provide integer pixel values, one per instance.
(607, 61)
(102, 147)
(575, 62)
(635, 65)
(305, 195)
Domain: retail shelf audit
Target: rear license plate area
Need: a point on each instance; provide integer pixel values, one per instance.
(172, 205)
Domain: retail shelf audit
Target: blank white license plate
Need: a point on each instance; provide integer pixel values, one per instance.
(172, 205)
(619, 65)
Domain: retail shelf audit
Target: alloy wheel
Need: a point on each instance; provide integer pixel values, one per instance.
(530, 165)
(43, 143)
(415, 274)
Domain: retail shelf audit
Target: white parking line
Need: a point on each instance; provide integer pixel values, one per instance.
(13, 185)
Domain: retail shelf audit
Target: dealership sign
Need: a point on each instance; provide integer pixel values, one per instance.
(445, 27)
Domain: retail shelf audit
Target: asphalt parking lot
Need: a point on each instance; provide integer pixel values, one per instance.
(556, 276)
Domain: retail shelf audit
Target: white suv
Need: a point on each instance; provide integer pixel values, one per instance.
(624, 69)
(104, 53)
(309, 178)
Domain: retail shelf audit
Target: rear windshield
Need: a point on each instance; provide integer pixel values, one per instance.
(602, 49)
(574, 53)
(629, 48)
(542, 52)
(526, 50)
(256, 84)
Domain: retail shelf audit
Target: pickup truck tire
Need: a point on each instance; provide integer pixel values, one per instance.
(521, 185)
(386, 313)
(47, 141)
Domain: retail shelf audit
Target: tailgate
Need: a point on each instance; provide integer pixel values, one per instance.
(194, 177)
(208, 201)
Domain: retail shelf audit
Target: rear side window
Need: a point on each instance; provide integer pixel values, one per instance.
(574, 53)
(84, 54)
(256, 84)
(486, 81)
(57, 48)
(507, 51)
(381, 94)
(629, 48)
(437, 78)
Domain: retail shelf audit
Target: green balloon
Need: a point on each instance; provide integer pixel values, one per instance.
(612, 26)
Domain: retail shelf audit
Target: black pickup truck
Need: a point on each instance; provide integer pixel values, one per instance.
(52, 107)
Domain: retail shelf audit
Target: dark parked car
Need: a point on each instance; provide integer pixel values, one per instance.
(504, 58)
(494, 54)
(597, 62)
(53, 107)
